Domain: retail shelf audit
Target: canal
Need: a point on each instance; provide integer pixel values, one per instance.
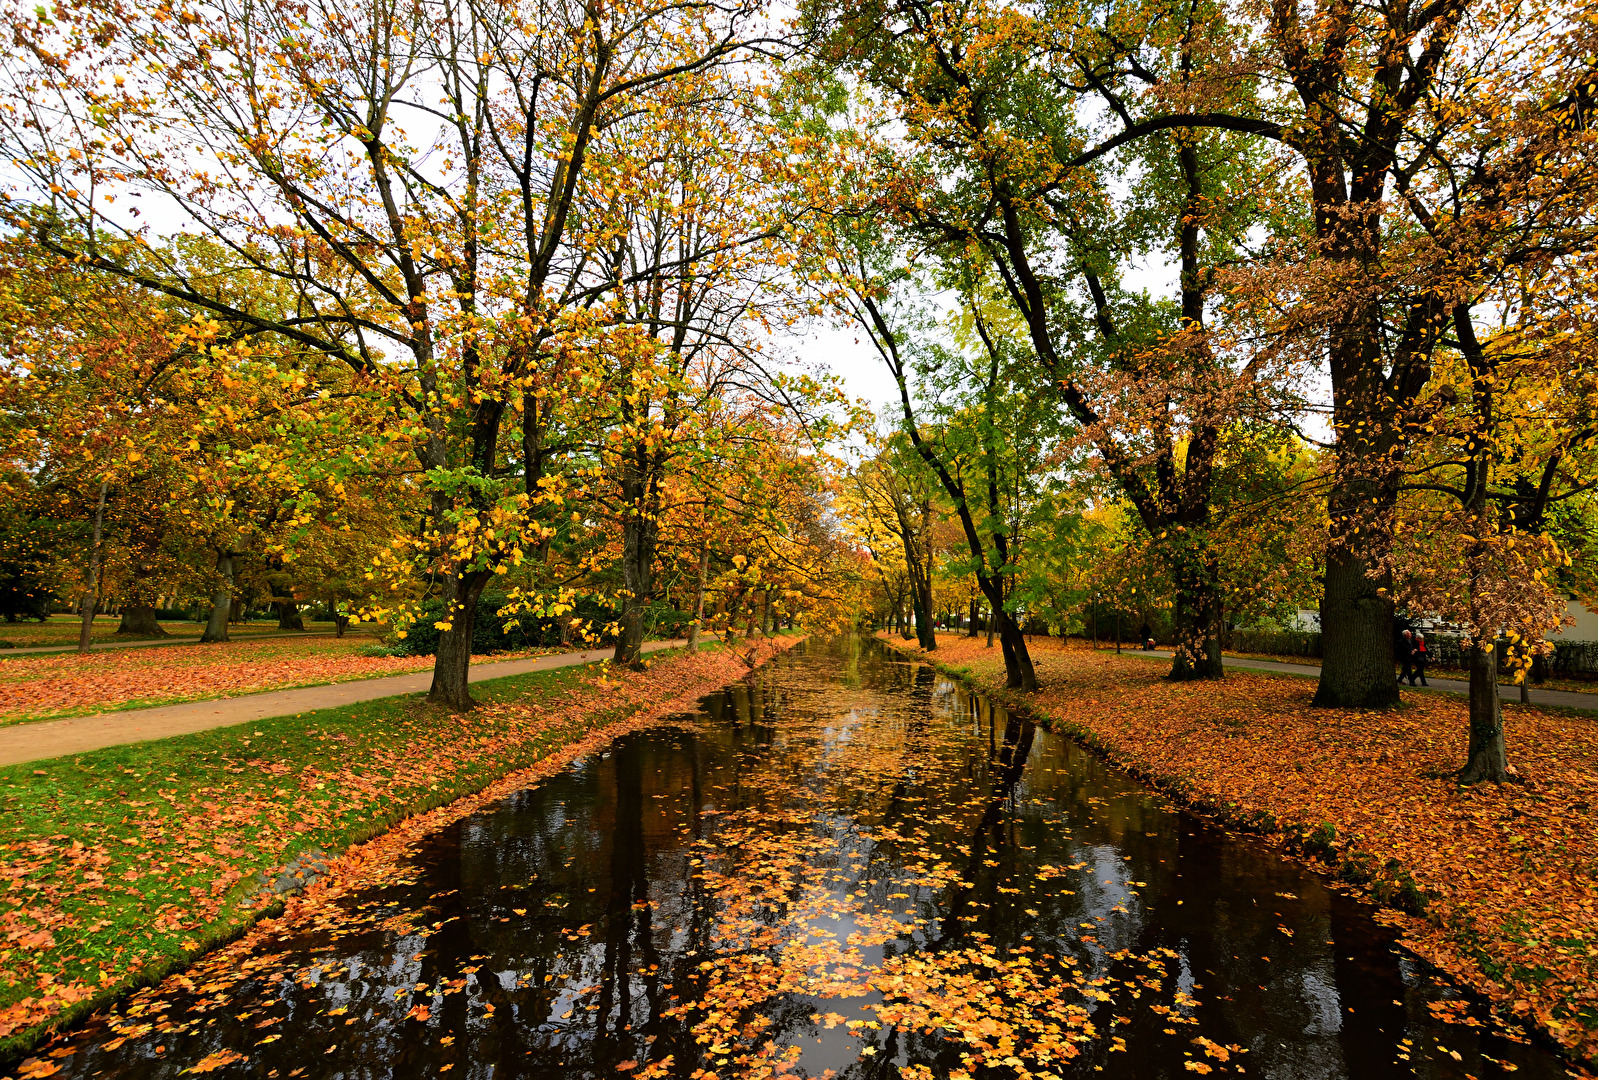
(847, 865)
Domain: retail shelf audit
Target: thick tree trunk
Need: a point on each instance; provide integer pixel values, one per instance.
(639, 535)
(1488, 757)
(971, 631)
(452, 664)
(926, 636)
(222, 602)
(1356, 636)
(139, 620)
(699, 598)
(1198, 643)
(1018, 670)
(91, 587)
(288, 614)
(139, 617)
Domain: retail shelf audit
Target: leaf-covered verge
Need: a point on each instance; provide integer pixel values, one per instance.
(63, 632)
(1499, 882)
(123, 864)
(51, 687)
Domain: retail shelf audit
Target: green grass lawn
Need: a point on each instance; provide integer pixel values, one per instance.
(124, 862)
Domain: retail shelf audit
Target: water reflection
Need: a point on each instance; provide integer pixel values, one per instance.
(849, 864)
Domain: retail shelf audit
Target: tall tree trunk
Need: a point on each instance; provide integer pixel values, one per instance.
(222, 602)
(1356, 636)
(453, 663)
(139, 617)
(1018, 670)
(639, 535)
(699, 597)
(91, 585)
(288, 614)
(971, 631)
(1198, 644)
(139, 620)
(921, 598)
(1488, 756)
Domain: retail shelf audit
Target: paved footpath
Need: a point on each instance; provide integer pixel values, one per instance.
(80, 734)
(1569, 699)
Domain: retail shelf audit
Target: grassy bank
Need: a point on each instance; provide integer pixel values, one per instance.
(122, 864)
(1500, 882)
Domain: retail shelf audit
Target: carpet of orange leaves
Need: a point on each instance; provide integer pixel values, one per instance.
(42, 687)
(1509, 873)
(208, 846)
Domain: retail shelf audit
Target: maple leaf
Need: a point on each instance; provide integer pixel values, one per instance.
(219, 1060)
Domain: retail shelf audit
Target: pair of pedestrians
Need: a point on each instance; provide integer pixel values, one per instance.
(1412, 657)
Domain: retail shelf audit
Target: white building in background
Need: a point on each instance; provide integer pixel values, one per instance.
(1308, 620)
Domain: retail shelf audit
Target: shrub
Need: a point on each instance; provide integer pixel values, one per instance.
(1274, 642)
(489, 633)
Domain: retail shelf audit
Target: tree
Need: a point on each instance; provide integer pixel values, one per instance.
(443, 251)
(1001, 179)
(998, 98)
(896, 502)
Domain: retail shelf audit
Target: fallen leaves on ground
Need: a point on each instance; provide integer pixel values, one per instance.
(1510, 871)
(43, 687)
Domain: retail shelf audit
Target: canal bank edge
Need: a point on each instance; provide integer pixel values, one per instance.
(1315, 844)
(309, 873)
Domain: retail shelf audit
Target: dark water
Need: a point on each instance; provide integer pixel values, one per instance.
(844, 840)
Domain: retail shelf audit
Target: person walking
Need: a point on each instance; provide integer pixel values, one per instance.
(1418, 660)
(1146, 635)
(1404, 650)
